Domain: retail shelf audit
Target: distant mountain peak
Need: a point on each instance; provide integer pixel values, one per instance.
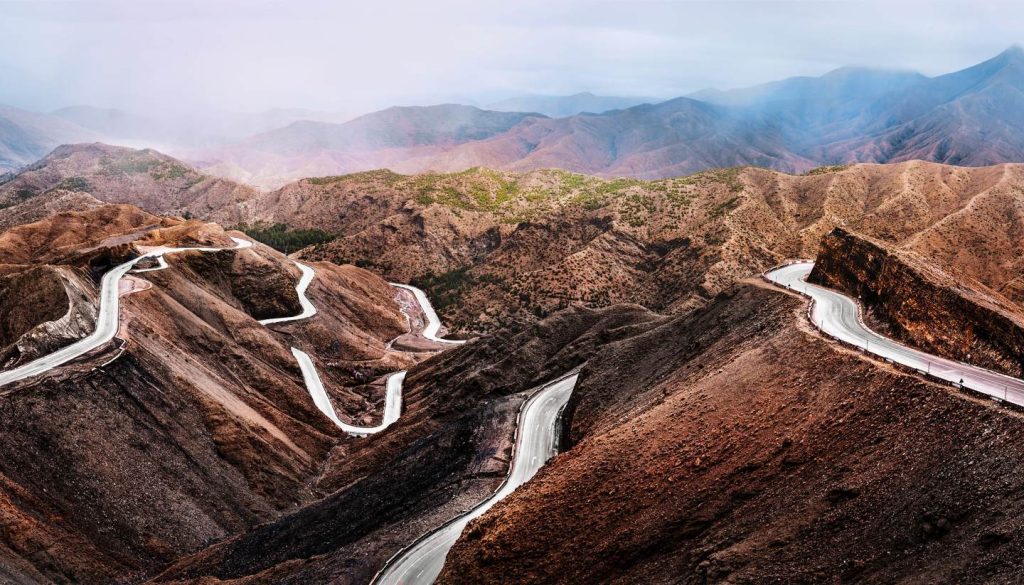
(1011, 57)
(1014, 51)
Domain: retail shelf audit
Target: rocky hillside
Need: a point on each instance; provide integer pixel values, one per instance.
(112, 174)
(735, 445)
(448, 452)
(193, 423)
(494, 247)
(946, 314)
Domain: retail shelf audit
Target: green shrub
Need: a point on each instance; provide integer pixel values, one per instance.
(445, 289)
(75, 184)
(280, 237)
(827, 169)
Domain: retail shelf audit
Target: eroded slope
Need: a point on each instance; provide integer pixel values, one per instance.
(735, 445)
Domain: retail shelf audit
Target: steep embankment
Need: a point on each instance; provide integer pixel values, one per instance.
(43, 308)
(734, 445)
(191, 426)
(916, 302)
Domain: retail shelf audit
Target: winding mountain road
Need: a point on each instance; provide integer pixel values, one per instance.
(315, 386)
(308, 310)
(392, 397)
(536, 443)
(433, 321)
(839, 316)
(108, 318)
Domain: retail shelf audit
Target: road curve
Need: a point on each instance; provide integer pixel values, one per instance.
(392, 397)
(107, 321)
(308, 310)
(536, 443)
(838, 315)
(433, 321)
(161, 264)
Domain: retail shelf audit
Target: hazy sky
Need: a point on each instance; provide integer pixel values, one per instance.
(355, 56)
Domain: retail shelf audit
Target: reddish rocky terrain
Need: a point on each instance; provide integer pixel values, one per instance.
(449, 450)
(113, 174)
(713, 434)
(193, 423)
(736, 445)
(910, 299)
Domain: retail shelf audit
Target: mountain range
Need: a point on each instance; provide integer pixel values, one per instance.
(970, 117)
(712, 435)
(561, 106)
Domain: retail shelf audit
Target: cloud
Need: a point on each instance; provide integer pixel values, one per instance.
(236, 55)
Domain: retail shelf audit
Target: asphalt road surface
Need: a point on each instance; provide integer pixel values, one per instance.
(107, 321)
(536, 443)
(308, 310)
(392, 398)
(433, 322)
(838, 315)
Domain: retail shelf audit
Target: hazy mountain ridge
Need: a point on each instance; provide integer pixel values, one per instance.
(27, 136)
(970, 117)
(560, 106)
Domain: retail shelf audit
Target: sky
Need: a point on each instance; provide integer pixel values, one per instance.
(345, 56)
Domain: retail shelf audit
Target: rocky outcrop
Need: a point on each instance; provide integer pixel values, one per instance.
(43, 309)
(916, 302)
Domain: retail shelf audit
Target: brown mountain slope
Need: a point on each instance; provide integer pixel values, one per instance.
(495, 247)
(193, 423)
(449, 451)
(736, 446)
(39, 207)
(947, 314)
(145, 178)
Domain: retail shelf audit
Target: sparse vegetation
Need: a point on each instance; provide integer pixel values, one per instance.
(280, 237)
(730, 177)
(128, 164)
(446, 289)
(824, 170)
(170, 171)
(75, 184)
(385, 175)
(724, 207)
